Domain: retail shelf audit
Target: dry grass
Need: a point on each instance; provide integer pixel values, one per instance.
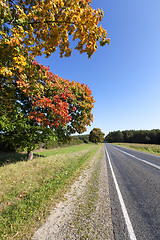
(28, 189)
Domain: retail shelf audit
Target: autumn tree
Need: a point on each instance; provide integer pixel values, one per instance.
(30, 95)
(96, 135)
(56, 107)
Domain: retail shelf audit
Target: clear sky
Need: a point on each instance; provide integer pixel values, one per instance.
(125, 76)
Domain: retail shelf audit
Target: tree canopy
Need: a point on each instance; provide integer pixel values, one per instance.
(32, 27)
(56, 106)
(33, 100)
(96, 135)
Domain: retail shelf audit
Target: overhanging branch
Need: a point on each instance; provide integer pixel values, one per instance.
(39, 22)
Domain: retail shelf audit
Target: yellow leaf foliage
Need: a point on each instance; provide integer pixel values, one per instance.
(47, 25)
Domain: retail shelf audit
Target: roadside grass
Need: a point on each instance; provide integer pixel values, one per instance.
(7, 158)
(88, 220)
(63, 150)
(150, 148)
(82, 225)
(30, 189)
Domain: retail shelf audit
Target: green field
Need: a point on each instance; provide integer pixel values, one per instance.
(29, 189)
(150, 148)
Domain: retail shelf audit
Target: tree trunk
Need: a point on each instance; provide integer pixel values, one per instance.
(29, 155)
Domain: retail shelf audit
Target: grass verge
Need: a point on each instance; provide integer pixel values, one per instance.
(90, 215)
(30, 189)
(150, 148)
(7, 158)
(82, 225)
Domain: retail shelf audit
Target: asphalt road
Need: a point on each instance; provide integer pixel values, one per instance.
(137, 176)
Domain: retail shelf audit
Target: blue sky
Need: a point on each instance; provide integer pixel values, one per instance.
(125, 76)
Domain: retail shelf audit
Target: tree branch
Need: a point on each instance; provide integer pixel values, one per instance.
(38, 22)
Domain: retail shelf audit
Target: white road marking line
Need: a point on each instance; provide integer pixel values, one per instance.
(142, 160)
(124, 210)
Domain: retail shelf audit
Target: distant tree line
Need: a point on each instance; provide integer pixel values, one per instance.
(135, 136)
(81, 138)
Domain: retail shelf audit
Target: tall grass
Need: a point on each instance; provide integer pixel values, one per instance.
(29, 189)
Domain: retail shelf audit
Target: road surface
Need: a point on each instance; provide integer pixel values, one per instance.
(134, 181)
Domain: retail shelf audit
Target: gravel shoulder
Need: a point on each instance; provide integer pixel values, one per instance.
(85, 213)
